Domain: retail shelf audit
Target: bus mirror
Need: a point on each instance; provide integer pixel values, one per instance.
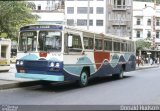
(70, 41)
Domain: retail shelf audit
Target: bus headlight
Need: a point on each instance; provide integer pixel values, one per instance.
(21, 62)
(57, 65)
(17, 62)
(51, 64)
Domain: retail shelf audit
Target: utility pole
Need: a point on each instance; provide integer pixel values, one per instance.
(88, 12)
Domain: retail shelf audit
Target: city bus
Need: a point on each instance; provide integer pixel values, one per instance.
(61, 53)
(5, 50)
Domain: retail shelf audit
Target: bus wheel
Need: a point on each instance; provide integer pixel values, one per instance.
(83, 81)
(119, 75)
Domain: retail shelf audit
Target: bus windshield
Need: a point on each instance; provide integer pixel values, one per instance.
(50, 41)
(27, 41)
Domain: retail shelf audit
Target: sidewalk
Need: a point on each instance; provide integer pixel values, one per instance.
(8, 80)
(146, 66)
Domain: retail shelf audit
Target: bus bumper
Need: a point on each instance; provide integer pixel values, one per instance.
(40, 76)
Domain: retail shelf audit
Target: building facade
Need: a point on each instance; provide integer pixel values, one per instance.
(103, 16)
(119, 17)
(146, 22)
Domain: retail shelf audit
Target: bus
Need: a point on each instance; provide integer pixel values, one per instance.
(5, 50)
(62, 53)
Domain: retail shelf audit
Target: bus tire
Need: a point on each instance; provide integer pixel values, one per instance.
(83, 80)
(120, 75)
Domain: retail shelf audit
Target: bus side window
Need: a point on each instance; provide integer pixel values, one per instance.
(88, 43)
(123, 47)
(98, 44)
(133, 47)
(108, 45)
(91, 43)
(129, 47)
(76, 44)
(116, 46)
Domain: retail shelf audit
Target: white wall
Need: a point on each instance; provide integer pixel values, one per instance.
(93, 16)
(50, 17)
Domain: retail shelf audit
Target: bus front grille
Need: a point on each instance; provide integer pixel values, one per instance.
(36, 65)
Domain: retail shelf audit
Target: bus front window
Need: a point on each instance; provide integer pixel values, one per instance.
(50, 41)
(27, 41)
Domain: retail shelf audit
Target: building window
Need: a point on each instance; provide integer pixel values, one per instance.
(158, 23)
(118, 2)
(157, 34)
(91, 10)
(138, 34)
(70, 10)
(149, 22)
(84, 10)
(149, 34)
(138, 22)
(100, 10)
(70, 22)
(90, 22)
(81, 22)
(39, 7)
(99, 22)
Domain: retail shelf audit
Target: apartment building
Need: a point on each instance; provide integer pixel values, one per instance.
(146, 22)
(103, 16)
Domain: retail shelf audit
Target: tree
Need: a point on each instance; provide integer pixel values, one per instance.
(142, 44)
(13, 15)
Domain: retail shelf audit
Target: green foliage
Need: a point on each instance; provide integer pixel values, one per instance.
(142, 44)
(13, 15)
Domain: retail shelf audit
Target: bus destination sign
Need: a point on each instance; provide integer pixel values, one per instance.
(41, 27)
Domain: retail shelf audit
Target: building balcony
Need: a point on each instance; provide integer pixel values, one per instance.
(120, 7)
(119, 22)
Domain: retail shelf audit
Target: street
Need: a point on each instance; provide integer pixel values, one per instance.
(138, 87)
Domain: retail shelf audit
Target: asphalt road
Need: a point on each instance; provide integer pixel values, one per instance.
(138, 87)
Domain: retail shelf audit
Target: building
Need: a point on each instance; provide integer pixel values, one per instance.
(103, 16)
(146, 26)
(146, 22)
(49, 11)
(119, 17)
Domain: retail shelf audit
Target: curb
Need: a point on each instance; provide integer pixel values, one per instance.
(19, 84)
(141, 68)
